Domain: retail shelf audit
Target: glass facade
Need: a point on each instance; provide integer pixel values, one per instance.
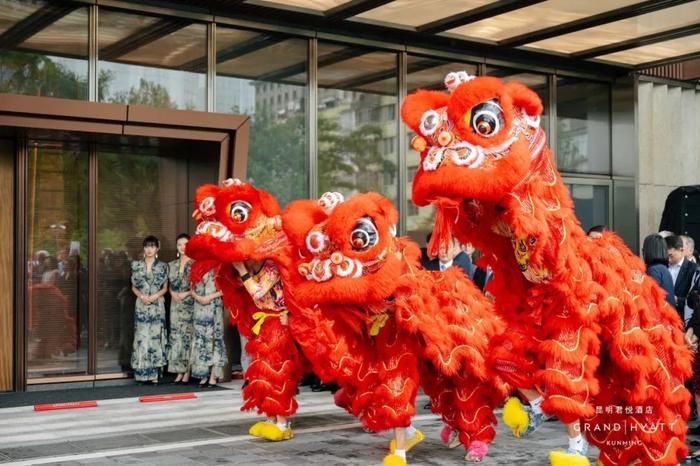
(269, 83)
(266, 75)
(141, 191)
(583, 126)
(151, 61)
(51, 62)
(592, 204)
(357, 120)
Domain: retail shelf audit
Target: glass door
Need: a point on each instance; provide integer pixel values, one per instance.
(79, 308)
(141, 190)
(57, 281)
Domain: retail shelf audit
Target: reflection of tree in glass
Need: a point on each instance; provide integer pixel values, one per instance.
(57, 183)
(277, 158)
(351, 162)
(148, 93)
(570, 157)
(128, 198)
(39, 75)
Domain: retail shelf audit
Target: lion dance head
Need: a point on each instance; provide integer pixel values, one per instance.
(345, 251)
(235, 222)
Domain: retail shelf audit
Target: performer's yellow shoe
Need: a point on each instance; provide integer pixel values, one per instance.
(393, 460)
(562, 458)
(417, 438)
(256, 429)
(515, 416)
(271, 431)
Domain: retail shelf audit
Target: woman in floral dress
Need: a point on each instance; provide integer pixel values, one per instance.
(208, 357)
(149, 280)
(181, 309)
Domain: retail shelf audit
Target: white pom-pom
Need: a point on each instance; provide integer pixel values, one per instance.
(231, 182)
(207, 207)
(329, 201)
(455, 78)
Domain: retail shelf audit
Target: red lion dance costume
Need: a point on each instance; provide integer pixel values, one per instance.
(368, 317)
(238, 223)
(586, 327)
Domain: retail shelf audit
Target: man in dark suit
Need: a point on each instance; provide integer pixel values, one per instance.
(682, 271)
(482, 277)
(449, 256)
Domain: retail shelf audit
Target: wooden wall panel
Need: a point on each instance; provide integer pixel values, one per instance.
(7, 211)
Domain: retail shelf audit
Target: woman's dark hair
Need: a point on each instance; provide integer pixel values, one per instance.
(182, 235)
(654, 250)
(151, 240)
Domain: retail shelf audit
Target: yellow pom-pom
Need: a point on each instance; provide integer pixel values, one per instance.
(561, 458)
(515, 416)
(256, 429)
(393, 460)
(272, 432)
(417, 438)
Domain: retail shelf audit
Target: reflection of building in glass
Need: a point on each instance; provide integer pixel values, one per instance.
(359, 140)
(280, 100)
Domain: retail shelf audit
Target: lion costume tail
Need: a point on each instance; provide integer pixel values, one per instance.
(642, 407)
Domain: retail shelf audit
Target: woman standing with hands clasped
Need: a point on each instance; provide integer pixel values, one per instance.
(208, 356)
(149, 282)
(181, 309)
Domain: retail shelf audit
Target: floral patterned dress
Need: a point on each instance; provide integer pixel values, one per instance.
(208, 348)
(181, 328)
(150, 339)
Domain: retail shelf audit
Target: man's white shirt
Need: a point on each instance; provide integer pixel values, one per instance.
(675, 270)
(445, 265)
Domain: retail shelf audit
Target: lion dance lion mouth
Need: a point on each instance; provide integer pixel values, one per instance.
(322, 270)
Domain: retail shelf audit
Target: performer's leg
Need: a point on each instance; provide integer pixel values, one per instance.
(529, 393)
(273, 376)
(577, 442)
(400, 437)
(524, 420)
(412, 437)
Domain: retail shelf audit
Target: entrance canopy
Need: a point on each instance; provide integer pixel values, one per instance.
(602, 36)
(622, 32)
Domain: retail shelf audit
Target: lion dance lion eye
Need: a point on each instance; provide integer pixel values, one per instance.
(239, 211)
(429, 122)
(316, 242)
(364, 235)
(487, 118)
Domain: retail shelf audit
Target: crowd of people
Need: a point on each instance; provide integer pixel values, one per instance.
(57, 296)
(673, 262)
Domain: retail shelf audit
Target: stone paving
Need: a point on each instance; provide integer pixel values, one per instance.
(342, 443)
